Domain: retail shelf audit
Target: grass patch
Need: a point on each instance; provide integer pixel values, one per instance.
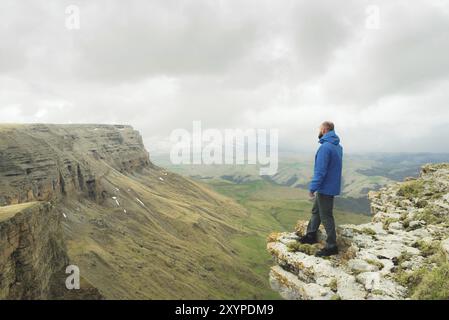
(410, 280)
(411, 189)
(252, 252)
(427, 248)
(388, 221)
(302, 247)
(333, 285)
(376, 263)
(426, 283)
(405, 256)
(378, 292)
(434, 284)
(369, 231)
(430, 217)
(431, 281)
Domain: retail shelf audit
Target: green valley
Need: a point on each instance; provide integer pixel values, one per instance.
(270, 207)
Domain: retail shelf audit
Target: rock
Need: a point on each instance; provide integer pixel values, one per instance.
(396, 226)
(375, 282)
(371, 253)
(388, 253)
(388, 266)
(291, 288)
(416, 224)
(369, 280)
(360, 265)
(28, 229)
(349, 289)
(414, 263)
(301, 227)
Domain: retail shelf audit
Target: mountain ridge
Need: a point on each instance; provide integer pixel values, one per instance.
(135, 230)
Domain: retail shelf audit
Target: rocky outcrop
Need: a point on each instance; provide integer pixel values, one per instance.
(32, 250)
(33, 255)
(387, 258)
(40, 162)
(41, 168)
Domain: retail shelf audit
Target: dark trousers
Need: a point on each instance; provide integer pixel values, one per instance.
(322, 212)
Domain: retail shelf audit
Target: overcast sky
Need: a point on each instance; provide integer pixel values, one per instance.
(159, 65)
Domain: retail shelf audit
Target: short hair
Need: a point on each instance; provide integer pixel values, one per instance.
(328, 125)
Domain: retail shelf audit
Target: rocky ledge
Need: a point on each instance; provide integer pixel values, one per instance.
(32, 250)
(401, 254)
(33, 255)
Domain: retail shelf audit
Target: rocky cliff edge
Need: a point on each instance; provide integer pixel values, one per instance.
(401, 254)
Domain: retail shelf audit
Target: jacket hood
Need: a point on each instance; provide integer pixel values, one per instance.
(330, 137)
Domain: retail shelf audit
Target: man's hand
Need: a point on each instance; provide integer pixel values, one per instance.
(312, 194)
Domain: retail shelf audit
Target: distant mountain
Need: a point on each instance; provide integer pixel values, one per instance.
(398, 166)
(361, 173)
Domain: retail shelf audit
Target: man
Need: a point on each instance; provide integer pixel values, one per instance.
(325, 185)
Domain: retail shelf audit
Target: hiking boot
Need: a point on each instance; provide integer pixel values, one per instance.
(308, 239)
(326, 252)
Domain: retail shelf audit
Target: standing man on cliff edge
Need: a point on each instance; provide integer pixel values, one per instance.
(325, 185)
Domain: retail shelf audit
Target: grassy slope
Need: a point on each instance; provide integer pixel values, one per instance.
(175, 246)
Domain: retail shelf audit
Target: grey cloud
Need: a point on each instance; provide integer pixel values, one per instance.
(159, 65)
(407, 54)
(147, 38)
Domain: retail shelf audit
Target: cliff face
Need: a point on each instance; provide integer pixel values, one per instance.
(32, 250)
(134, 230)
(401, 254)
(40, 162)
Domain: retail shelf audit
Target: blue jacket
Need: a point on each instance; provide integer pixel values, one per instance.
(328, 166)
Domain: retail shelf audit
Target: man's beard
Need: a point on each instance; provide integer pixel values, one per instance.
(320, 135)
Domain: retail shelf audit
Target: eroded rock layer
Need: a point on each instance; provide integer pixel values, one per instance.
(40, 161)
